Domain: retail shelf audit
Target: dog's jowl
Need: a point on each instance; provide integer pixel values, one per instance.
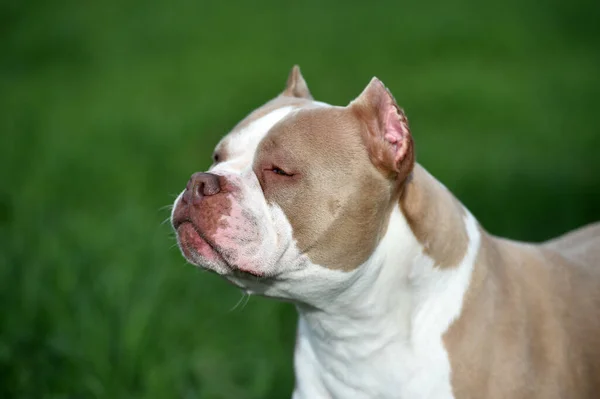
(401, 293)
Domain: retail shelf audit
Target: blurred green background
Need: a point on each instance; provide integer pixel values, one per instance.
(107, 107)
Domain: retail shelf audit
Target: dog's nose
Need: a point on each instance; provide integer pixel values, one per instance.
(201, 185)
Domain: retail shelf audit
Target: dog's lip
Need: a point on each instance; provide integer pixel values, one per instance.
(187, 221)
(179, 221)
(235, 271)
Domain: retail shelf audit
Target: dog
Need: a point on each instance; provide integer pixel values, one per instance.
(401, 293)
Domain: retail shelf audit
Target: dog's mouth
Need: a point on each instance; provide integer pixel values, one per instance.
(200, 251)
(196, 248)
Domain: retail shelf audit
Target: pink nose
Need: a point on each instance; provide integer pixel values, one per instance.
(199, 186)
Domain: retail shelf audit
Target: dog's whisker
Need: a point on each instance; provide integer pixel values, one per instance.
(246, 303)
(168, 206)
(238, 302)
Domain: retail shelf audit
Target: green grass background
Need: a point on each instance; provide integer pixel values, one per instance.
(107, 107)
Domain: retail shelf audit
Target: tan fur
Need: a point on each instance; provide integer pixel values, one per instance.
(581, 246)
(344, 199)
(435, 218)
(296, 85)
(335, 202)
(530, 325)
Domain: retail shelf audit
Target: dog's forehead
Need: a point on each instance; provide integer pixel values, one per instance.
(237, 148)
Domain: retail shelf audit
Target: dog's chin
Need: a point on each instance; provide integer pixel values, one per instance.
(201, 253)
(197, 250)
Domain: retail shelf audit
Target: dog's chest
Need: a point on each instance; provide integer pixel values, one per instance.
(384, 367)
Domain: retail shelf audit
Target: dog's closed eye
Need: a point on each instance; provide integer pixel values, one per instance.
(280, 171)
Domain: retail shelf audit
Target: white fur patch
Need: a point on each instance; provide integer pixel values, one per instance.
(242, 144)
(382, 336)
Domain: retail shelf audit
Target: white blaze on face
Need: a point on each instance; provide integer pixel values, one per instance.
(246, 235)
(257, 235)
(241, 145)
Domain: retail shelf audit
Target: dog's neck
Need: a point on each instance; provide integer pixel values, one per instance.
(408, 293)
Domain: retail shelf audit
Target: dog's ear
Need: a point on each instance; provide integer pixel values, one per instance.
(386, 133)
(296, 85)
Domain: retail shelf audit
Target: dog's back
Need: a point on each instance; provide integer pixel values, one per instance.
(581, 246)
(534, 312)
(581, 316)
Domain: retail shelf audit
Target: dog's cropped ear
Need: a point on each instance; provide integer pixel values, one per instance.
(296, 85)
(386, 134)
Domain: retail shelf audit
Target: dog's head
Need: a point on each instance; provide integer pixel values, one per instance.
(299, 192)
